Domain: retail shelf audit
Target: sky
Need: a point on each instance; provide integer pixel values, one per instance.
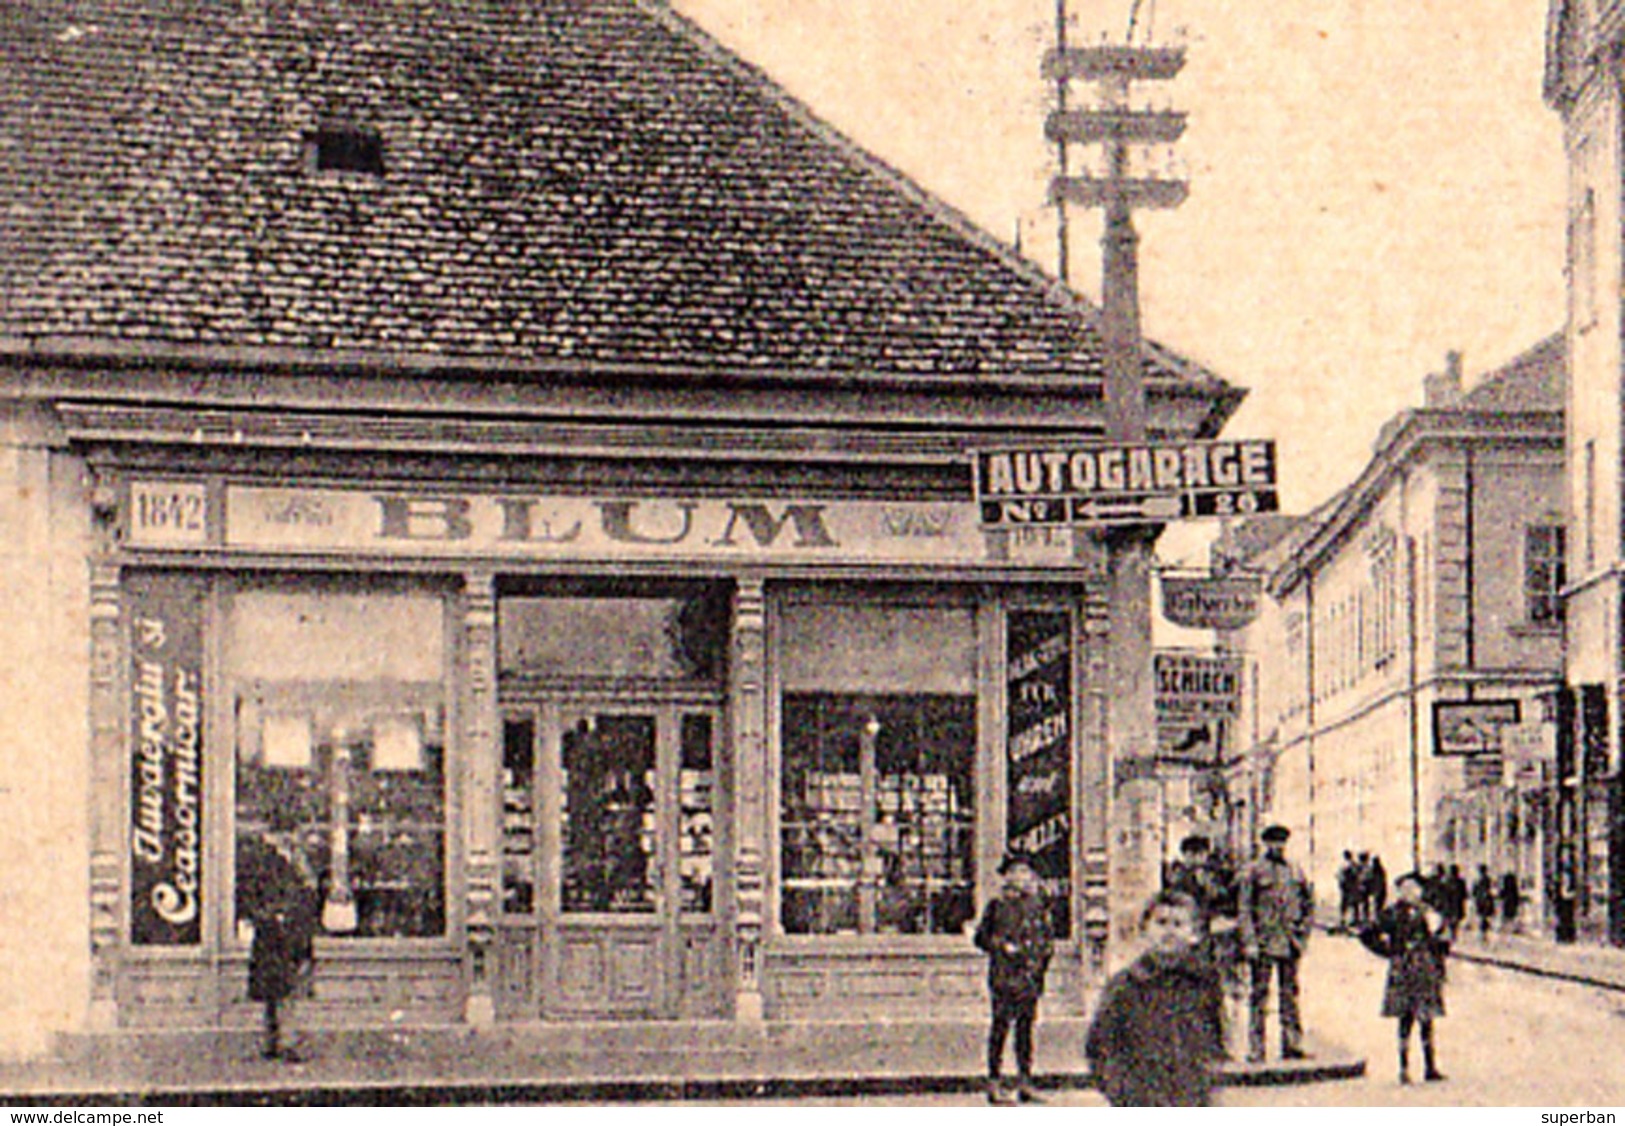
(1373, 182)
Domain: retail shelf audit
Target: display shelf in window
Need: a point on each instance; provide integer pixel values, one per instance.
(362, 784)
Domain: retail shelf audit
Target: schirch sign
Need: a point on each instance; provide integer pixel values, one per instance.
(1223, 602)
(1471, 727)
(1146, 482)
(1198, 685)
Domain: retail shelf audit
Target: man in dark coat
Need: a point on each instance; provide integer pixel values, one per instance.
(1158, 1030)
(1275, 915)
(1412, 936)
(1455, 899)
(1511, 901)
(276, 893)
(1484, 902)
(1015, 932)
(1349, 878)
(1376, 888)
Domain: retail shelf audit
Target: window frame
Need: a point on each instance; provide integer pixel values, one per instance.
(1545, 552)
(988, 606)
(381, 696)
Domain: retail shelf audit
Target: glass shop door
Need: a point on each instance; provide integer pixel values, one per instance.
(612, 855)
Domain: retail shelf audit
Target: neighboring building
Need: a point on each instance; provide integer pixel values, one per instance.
(519, 449)
(1435, 577)
(1583, 84)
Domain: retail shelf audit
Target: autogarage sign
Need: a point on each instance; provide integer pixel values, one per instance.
(1144, 482)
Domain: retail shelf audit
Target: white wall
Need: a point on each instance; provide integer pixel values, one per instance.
(44, 736)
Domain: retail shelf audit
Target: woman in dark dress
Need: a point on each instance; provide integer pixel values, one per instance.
(1411, 935)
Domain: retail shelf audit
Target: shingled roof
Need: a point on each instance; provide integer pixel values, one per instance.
(565, 182)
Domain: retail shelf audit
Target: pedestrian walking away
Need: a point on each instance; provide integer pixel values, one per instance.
(1016, 934)
(1376, 888)
(1156, 1032)
(1484, 902)
(276, 893)
(1275, 913)
(1511, 902)
(1455, 900)
(1348, 891)
(1413, 937)
(1362, 888)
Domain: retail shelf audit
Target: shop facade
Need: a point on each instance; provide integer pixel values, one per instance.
(573, 756)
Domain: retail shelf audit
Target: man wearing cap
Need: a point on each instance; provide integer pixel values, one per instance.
(1275, 911)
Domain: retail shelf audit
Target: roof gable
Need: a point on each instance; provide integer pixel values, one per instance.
(566, 181)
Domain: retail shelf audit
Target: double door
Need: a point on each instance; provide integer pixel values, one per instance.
(610, 858)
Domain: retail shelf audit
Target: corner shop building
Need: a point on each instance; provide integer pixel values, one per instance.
(537, 477)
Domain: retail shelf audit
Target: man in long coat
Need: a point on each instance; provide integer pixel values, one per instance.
(276, 892)
(1276, 910)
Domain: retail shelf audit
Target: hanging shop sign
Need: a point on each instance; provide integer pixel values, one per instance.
(1198, 683)
(1038, 771)
(1196, 693)
(1526, 748)
(1146, 482)
(1223, 602)
(166, 762)
(1471, 727)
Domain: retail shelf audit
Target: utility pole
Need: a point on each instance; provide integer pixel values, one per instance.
(1063, 231)
(1131, 791)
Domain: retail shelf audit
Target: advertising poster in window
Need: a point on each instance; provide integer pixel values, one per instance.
(1038, 762)
(166, 761)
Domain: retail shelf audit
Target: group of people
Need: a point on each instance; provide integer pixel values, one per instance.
(1159, 1027)
(1488, 895)
(1362, 889)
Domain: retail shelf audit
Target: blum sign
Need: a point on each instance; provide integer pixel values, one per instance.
(196, 515)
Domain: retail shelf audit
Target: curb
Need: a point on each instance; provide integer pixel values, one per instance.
(1540, 971)
(650, 1089)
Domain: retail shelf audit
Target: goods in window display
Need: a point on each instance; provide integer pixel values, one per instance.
(375, 837)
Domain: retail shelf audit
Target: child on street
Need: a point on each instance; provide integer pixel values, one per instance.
(1015, 932)
(1411, 935)
(1158, 1030)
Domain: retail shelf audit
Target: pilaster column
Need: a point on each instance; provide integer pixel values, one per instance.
(748, 700)
(478, 758)
(1095, 775)
(107, 767)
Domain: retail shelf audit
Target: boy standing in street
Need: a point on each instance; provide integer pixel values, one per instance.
(1157, 1031)
(1015, 932)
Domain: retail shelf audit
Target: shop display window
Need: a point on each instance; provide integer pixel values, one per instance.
(340, 767)
(877, 770)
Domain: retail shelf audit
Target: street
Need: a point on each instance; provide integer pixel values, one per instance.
(1510, 1039)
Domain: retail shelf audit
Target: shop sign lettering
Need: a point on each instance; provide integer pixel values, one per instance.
(286, 519)
(166, 761)
(1038, 759)
(1223, 602)
(1195, 684)
(1125, 484)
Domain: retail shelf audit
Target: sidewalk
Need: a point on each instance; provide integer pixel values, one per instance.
(1588, 964)
(551, 1063)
